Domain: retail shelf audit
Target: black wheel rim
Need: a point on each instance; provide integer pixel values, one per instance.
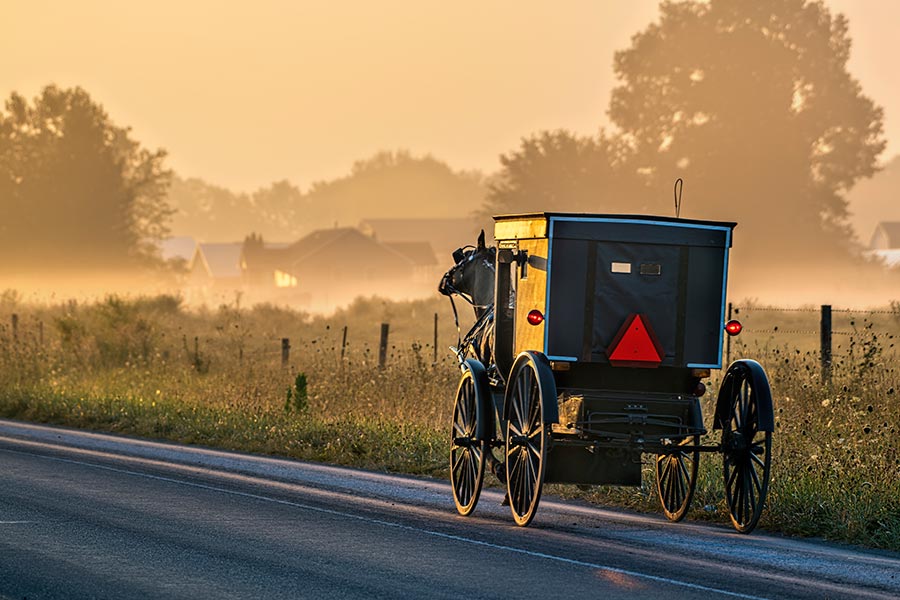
(676, 479)
(525, 446)
(746, 456)
(466, 451)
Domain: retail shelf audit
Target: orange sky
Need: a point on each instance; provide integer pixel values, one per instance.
(244, 93)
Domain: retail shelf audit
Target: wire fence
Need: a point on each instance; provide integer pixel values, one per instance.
(815, 328)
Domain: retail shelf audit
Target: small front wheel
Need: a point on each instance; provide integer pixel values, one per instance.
(676, 478)
(466, 450)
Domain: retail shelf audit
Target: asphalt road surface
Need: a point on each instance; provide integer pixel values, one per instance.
(85, 515)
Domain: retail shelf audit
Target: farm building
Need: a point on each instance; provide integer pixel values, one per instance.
(333, 266)
(443, 235)
(215, 266)
(179, 248)
(885, 243)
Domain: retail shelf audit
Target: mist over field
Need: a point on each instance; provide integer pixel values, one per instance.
(759, 109)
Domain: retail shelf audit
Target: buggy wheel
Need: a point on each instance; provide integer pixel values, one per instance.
(526, 441)
(676, 478)
(466, 450)
(747, 451)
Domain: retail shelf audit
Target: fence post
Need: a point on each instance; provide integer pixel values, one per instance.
(15, 327)
(382, 346)
(285, 351)
(435, 338)
(825, 343)
(344, 344)
(728, 339)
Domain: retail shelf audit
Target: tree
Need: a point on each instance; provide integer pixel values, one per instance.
(395, 185)
(559, 170)
(212, 213)
(75, 189)
(751, 103)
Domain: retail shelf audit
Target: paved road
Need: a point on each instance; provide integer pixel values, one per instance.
(85, 515)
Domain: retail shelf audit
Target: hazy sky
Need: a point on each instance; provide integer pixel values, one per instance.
(244, 93)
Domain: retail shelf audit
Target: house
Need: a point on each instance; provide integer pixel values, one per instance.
(178, 248)
(420, 255)
(885, 243)
(331, 266)
(215, 266)
(443, 235)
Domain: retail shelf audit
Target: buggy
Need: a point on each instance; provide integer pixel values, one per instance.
(592, 338)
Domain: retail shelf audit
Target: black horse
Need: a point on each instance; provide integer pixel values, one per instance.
(472, 279)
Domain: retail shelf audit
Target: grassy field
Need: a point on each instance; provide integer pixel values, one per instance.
(149, 367)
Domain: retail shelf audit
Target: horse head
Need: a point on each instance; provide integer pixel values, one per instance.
(472, 277)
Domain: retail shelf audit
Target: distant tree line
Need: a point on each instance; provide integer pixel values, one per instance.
(76, 191)
(387, 185)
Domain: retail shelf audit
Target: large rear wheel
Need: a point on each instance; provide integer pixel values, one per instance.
(747, 451)
(526, 441)
(466, 450)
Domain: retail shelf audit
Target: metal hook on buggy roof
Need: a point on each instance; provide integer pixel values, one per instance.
(679, 187)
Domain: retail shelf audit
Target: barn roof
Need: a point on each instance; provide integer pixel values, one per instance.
(316, 240)
(182, 246)
(891, 230)
(890, 257)
(419, 253)
(443, 235)
(220, 260)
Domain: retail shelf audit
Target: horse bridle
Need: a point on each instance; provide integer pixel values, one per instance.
(447, 288)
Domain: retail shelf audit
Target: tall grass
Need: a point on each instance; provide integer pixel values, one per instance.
(150, 367)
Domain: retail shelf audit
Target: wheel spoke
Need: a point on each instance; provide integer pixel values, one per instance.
(464, 407)
(729, 482)
(683, 479)
(684, 469)
(748, 510)
(457, 462)
(532, 470)
(757, 460)
(669, 485)
(534, 406)
(516, 402)
(736, 494)
(745, 406)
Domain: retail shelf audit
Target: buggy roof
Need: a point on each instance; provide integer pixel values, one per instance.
(610, 227)
(611, 217)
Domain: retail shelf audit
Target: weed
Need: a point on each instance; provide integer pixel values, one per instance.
(116, 366)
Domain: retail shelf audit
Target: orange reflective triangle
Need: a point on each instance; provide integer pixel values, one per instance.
(635, 345)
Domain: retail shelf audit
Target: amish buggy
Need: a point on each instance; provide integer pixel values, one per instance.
(592, 337)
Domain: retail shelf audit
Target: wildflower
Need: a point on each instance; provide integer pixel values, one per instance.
(826, 402)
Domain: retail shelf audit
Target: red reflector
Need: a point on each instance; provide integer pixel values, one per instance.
(733, 327)
(635, 345)
(535, 317)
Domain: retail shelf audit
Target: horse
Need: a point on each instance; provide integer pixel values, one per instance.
(472, 279)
